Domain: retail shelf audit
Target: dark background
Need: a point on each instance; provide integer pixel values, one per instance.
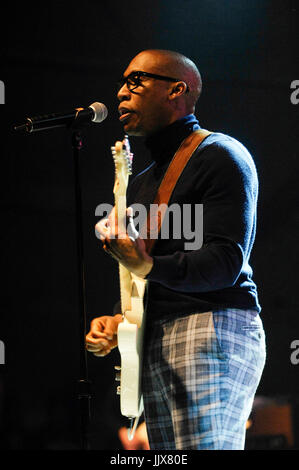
(57, 56)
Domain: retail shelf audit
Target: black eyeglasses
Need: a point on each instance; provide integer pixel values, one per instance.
(133, 80)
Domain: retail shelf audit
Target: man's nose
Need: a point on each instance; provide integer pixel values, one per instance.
(123, 93)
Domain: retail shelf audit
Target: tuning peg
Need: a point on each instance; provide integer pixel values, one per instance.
(118, 390)
(117, 376)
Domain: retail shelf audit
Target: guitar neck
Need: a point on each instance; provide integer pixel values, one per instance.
(123, 160)
(124, 274)
(120, 211)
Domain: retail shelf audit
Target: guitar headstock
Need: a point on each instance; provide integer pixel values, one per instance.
(123, 158)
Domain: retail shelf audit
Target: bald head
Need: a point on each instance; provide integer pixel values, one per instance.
(176, 65)
(159, 87)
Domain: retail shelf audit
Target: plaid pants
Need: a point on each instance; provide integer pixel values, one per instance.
(200, 376)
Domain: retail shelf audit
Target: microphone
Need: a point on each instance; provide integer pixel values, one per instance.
(78, 117)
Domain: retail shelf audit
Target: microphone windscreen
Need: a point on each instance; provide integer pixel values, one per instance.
(100, 111)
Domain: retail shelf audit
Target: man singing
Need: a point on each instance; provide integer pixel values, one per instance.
(204, 348)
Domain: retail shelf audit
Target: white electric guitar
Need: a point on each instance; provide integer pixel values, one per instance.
(132, 288)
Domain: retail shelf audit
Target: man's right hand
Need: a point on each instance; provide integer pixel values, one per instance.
(102, 336)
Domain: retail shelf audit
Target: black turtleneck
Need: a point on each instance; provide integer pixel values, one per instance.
(164, 143)
(221, 175)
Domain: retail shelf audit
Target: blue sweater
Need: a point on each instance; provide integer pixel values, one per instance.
(221, 176)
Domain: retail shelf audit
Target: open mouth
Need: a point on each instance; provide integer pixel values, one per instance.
(124, 113)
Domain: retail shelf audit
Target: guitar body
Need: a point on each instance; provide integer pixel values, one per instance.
(132, 288)
(129, 347)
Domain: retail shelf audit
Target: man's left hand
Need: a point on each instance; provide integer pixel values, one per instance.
(130, 253)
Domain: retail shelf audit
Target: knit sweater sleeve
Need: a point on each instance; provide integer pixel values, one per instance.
(227, 187)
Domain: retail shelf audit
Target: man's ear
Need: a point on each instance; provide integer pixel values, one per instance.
(177, 89)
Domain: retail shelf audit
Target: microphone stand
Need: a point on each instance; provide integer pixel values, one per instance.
(84, 385)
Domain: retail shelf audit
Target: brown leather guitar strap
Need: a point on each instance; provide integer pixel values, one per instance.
(174, 170)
